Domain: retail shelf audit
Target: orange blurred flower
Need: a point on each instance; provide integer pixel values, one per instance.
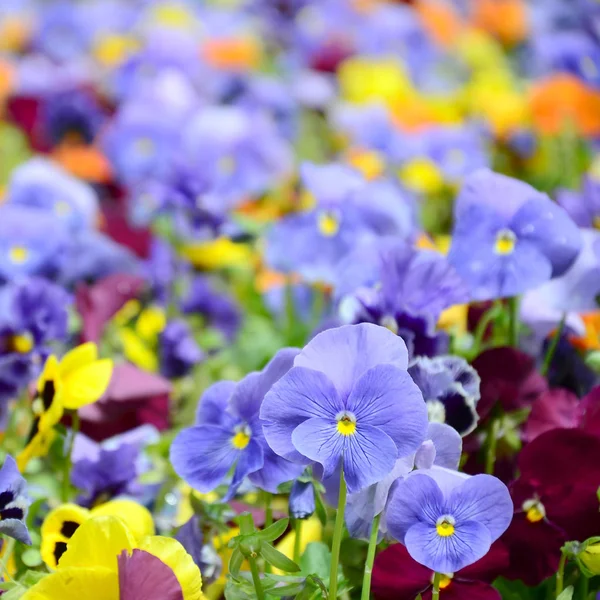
(591, 339)
(440, 20)
(504, 19)
(232, 54)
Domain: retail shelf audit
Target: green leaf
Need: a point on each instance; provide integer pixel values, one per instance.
(287, 590)
(274, 531)
(278, 560)
(235, 562)
(316, 560)
(566, 594)
(320, 509)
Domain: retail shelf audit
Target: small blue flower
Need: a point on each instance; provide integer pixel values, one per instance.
(13, 502)
(448, 520)
(302, 499)
(228, 433)
(179, 352)
(348, 400)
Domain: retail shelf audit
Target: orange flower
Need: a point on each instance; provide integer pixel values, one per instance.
(85, 162)
(504, 19)
(564, 99)
(440, 20)
(232, 54)
(591, 339)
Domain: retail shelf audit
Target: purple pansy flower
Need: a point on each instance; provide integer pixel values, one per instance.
(13, 502)
(583, 206)
(509, 237)
(348, 400)
(179, 352)
(450, 388)
(448, 520)
(228, 433)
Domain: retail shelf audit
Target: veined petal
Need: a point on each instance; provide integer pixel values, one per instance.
(319, 440)
(86, 384)
(387, 398)
(275, 471)
(203, 455)
(250, 459)
(448, 445)
(212, 405)
(370, 454)
(469, 542)
(299, 395)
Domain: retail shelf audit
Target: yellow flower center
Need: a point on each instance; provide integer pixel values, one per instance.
(145, 146)
(62, 208)
(445, 526)
(422, 175)
(329, 224)
(241, 439)
(369, 162)
(534, 510)
(346, 423)
(445, 580)
(18, 254)
(505, 242)
(22, 343)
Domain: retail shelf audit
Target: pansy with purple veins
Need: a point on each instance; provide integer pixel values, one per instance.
(508, 237)
(448, 520)
(13, 502)
(228, 434)
(347, 401)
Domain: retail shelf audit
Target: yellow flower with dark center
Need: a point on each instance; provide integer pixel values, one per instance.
(105, 561)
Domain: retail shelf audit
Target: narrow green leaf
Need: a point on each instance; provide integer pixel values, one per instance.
(278, 560)
(566, 594)
(235, 562)
(320, 508)
(286, 590)
(274, 531)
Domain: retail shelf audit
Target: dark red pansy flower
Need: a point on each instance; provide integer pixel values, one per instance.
(98, 303)
(553, 409)
(134, 397)
(397, 576)
(555, 501)
(589, 417)
(508, 379)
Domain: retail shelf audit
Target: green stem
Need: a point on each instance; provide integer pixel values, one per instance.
(584, 587)
(268, 520)
(66, 487)
(435, 594)
(553, 345)
(258, 588)
(337, 538)
(513, 312)
(488, 317)
(560, 575)
(492, 443)
(366, 589)
(297, 539)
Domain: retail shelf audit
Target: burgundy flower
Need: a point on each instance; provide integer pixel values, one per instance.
(98, 303)
(589, 412)
(397, 576)
(553, 409)
(134, 397)
(508, 379)
(555, 501)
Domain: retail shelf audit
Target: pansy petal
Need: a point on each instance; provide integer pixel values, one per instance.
(250, 459)
(415, 499)
(80, 356)
(212, 405)
(299, 395)
(74, 583)
(319, 440)
(448, 445)
(275, 471)
(86, 384)
(345, 353)
(387, 398)
(251, 390)
(203, 455)
(370, 454)
(448, 554)
(484, 499)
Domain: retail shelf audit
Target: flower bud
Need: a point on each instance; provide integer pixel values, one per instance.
(302, 500)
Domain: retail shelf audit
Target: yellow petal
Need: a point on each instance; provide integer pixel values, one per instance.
(95, 583)
(218, 254)
(173, 554)
(86, 384)
(138, 518)
(49, 373)
(137, 351)
(54, 531)
(39, 445)
(97, 543)
(77, 358)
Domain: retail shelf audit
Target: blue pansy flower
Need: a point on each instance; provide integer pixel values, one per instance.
(228, 435)
(448, 520)
(508, 237)
(348, 401)
(13, 502)
(179, 351)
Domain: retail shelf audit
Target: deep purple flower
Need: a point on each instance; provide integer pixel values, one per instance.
(509, 237)
(228, 433)
(179, 352)
(13, 502)
(302, 499)
(406, 290)
(448, 520)
(348, 400)
(450, 387)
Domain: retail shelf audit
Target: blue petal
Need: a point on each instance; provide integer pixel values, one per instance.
(203, 455)
(448, 445)
(469, 542)
(250, 459)
(213, 403)
(386, 397)
(319, 440)
(275, 471)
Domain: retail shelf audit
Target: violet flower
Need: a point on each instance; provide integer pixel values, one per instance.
(13, 502)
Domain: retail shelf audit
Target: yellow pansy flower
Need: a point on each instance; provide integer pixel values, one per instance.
(218, 254)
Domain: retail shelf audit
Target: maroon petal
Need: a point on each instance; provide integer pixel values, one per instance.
(551, 410)
(561, 457)
(534, 550)
(574, 508)
(590, 412)
(98, 303)
(508, 377)
(492, 565)
(461, 590)
(397, 576)
(143, 576)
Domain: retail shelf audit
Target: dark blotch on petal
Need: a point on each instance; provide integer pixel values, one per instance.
(12, 513)
(6, 497)
(59, 550)
(69, 528)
